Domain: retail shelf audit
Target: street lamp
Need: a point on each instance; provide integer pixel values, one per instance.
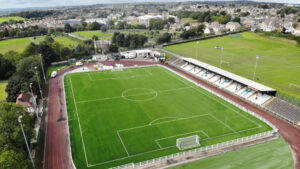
(197, 43)
(221, 55)
(38, 81)
(43, 68)
(20, 121)
(257, 57)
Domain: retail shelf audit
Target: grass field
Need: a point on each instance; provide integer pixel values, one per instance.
(63, 40)
(188, 20)
(17, 45)
(274, 154)
(3, 94)
(15, 18)
(90, 34)
(278, 64)
(137, 114)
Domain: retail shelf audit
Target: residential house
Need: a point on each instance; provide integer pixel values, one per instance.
(28, 101)
(233, 26)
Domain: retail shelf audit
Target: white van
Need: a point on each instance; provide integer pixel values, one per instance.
(79, 64)
(53, 74)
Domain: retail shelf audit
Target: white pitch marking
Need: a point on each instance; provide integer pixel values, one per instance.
(140, 94)
(222, 123)
(123, 143)
(83, 146)
(163, 118)
(212, 98)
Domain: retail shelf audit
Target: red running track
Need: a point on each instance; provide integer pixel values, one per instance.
(57, 146)
(57, 142)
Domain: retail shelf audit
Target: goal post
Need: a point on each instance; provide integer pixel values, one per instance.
(188, 142)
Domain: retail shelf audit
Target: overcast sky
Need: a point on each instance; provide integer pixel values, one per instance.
(5, 4)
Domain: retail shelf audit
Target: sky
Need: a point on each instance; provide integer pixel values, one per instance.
(6, 4)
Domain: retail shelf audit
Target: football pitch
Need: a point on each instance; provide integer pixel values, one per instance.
(137, 114)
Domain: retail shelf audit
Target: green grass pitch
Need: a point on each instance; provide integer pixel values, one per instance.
(273, 154)
(278, 65)
(137, 114)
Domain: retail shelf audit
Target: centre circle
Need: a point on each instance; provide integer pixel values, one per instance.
(139, 94)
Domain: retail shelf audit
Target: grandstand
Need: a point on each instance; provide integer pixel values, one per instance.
(284, 110)
(246, 89)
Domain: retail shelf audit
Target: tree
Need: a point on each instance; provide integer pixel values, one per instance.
(24, 75)
(236, 19)
(68, 28)
(113, 48)
(165, 38)
(93, 26)
(156, 24)
(48, 39)
(104, 28)
(12, 144)
(187, 24)
(7, 68)
(31, 49)
(171, 20)
(13, 159)
(12, 56)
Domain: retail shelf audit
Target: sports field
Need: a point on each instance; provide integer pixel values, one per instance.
(137, 114)
(278, 63)
(273, 154)
(90, 34)
(63, 40)
(17, 45)
(15, 18)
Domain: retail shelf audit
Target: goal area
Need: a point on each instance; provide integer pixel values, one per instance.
(188, 142)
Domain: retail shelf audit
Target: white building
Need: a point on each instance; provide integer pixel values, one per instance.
(297, 31)
(145, 19)
(233, 26)
(98, 20)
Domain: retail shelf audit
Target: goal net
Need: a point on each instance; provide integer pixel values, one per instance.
(188, 142)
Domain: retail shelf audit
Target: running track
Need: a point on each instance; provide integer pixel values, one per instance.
(57, 146)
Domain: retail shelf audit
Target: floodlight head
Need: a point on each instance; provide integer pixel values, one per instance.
(35, 67)
(19, 118)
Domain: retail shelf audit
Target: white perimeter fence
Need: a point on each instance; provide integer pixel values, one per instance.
(195, 151)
